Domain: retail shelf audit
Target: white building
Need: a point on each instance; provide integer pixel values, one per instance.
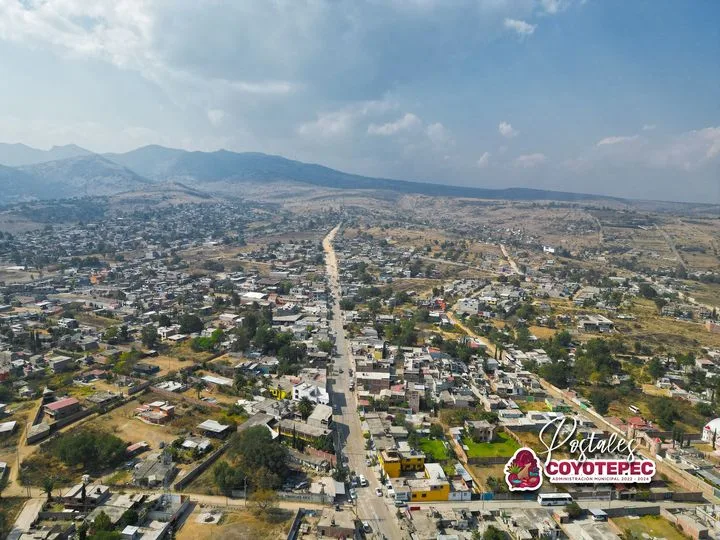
(311, 391)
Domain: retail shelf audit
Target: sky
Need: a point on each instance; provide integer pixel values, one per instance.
(618, 97)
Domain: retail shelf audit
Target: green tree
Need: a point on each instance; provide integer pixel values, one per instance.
(149, 336)
(199, 387)
(647, 291)
(190, 324)
(82, 531)
(263, 502)
(493, 533)
(256, 449)
(436, 431)
(95, 450)
(573, 509)
(48, 486)
(227, 478)
(665, 410)
(129, 517)
(655, 368)
(601, 401)
(305, 407)
(102, 522)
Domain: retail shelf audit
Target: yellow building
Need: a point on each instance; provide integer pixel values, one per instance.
(425, 489)
(281, 388)
(395, 462)
(279, 393)
(434, 487)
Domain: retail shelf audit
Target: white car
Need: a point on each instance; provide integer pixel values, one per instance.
(378, 492)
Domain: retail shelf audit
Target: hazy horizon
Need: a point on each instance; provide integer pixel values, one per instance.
(573, 95)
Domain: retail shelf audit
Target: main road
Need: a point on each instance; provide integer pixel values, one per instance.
(377, 511)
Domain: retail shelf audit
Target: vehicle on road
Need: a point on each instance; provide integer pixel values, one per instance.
(400, 504)
(378, 492)
(368, 462)
(363, 481)
(353, 494)
(554, 499)
(366, 527)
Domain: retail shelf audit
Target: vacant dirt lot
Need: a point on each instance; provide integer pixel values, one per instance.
(122, 422)
(236, 525)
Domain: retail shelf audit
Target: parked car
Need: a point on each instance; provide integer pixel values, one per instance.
(363, 481)
(353, 494)
(378, 492)
(366, 527)
(400, 504)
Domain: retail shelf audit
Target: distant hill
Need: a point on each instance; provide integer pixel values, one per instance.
(15, 155)
(41, 174)
(192, 168)
(16, 185)
(91, 175)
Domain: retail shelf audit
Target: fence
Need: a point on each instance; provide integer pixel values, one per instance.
(317, 498)
(139, 387)
(295, 528)
(200, 468)
(686, 480)
(187, 399)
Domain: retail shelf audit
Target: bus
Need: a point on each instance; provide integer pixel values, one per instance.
(634, 409)
(554, 499)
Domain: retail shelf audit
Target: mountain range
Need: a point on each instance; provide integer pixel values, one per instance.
(70, 171)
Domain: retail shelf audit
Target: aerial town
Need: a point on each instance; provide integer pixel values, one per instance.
(191, 370)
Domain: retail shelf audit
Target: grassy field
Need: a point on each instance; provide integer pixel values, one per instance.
(503, 446)
(689, 420)
(654, 330)
(526, 406)
(649, 526)
(434, 448)
(542, 332)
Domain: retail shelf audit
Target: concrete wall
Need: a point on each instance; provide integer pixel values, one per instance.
(200, 468)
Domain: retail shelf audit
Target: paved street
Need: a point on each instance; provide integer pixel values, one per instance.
(378, 511)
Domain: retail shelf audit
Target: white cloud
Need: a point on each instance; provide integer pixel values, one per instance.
(342, 121)
(689, 150)
(552, 7)
(528, 161)
(648, 127)
(506, 130)
(265, 87)
(439, 134)
(484, 160)
(522, 28)
(620, 139)
(329, 124)
(216, 116)
(407, 123)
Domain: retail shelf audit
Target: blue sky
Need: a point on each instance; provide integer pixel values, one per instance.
(601, 96)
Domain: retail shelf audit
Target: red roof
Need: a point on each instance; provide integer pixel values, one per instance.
(636, 421)
(61, 404)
